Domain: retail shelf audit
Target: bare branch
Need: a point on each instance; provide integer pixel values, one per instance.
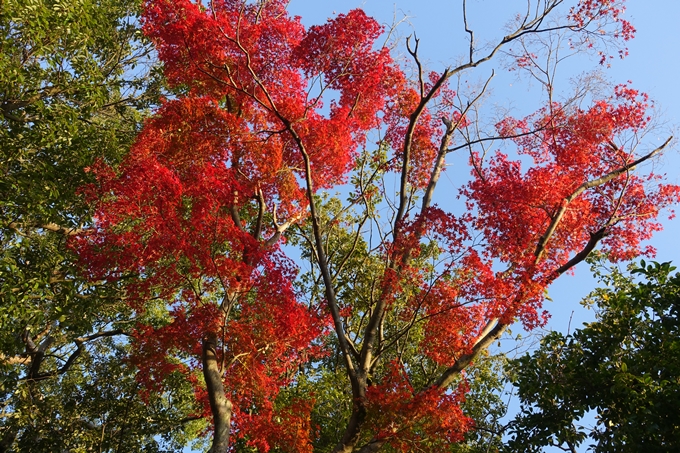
(583, 254)
(447, 378)
(257, 229)
(79, 342)
(66, 231)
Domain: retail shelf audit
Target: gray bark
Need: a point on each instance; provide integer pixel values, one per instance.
(220, 405)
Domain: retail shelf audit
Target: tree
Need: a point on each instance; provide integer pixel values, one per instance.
(623, 366)
(267, 115)
(75, 82)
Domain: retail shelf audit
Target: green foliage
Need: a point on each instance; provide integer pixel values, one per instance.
(96, 407)
(358, 271)
(624, 368)
(75, 83)
(484, 404)
(66, 99)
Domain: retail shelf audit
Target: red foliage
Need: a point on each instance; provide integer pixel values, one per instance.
(167, 214)
(404, 418)
(600, 13)
(570, 149)
(594, 10)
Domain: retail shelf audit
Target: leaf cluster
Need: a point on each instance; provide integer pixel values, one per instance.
(622, 369)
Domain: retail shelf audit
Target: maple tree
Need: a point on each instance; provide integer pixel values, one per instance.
(265, 116)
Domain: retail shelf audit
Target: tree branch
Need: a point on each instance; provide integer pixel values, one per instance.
(66, 231)
(541, 246)
(79, 342)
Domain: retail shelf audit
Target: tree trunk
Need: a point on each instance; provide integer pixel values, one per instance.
(220, 405)
(356, 421)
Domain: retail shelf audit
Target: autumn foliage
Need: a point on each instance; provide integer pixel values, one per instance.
(265, 115)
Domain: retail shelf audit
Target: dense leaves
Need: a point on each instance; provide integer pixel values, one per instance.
(73, 88)
(621, 369)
